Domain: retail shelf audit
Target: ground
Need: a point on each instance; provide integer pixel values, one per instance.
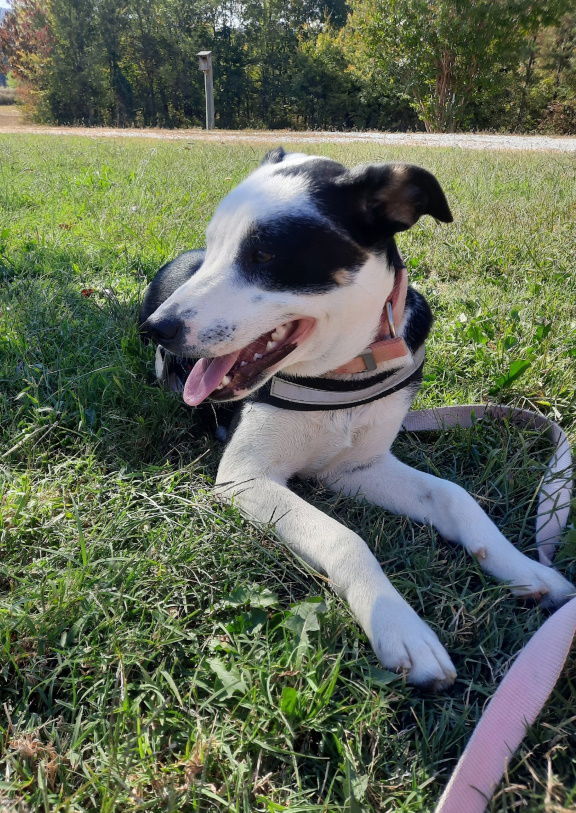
(11, 122)
(158, 652)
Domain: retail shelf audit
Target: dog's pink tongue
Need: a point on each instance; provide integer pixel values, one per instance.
(205, 377)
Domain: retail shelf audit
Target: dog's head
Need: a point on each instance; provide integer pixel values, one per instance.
(296, 271)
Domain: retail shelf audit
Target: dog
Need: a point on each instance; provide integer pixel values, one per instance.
(299, 309)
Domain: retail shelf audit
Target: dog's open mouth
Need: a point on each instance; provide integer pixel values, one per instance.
(226, 377)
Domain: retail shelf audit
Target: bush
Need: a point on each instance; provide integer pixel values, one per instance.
(560, 117)
(7, 96)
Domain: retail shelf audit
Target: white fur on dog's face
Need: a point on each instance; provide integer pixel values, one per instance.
(222, 313)
(300, 246)
(222, 310)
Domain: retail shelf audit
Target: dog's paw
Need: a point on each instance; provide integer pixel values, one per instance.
(526, 577)
(542, 583)
(404, 643)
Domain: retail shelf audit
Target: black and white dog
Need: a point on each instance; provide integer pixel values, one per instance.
(299, 307)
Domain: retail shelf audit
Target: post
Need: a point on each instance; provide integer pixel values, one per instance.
(205, 65)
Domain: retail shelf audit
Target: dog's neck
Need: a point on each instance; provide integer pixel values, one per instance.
(387, 345)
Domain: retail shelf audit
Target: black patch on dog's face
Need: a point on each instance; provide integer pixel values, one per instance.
(297, 253)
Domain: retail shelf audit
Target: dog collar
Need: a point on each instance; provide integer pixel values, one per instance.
(318, 394)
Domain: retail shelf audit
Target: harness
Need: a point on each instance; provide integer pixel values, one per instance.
(312, 394)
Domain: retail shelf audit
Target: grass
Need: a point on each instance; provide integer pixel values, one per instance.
(157, 652)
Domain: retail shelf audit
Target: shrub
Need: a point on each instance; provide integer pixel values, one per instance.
(7, 96)
(560, 117)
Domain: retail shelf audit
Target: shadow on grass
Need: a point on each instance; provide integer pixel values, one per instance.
(73, 365)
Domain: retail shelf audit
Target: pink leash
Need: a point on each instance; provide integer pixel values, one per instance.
(530, 680)
(515, 705)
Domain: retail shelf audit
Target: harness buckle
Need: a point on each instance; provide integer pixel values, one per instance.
(369, 361)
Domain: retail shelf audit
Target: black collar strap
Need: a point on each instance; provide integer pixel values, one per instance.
(324, 394)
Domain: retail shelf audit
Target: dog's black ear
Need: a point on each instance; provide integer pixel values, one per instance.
(275, 156)
(391, 197)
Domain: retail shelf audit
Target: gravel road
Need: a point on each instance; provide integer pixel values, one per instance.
(470, 141)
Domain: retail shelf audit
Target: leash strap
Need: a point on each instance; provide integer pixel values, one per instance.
(530, 680)
(515, 705)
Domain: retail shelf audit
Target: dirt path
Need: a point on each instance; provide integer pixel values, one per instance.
(10, 117)
(463, 140)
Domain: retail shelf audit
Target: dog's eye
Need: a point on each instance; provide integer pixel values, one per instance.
(262, 257)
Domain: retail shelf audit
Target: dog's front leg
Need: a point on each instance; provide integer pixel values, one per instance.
(401, 640)
(458, 517)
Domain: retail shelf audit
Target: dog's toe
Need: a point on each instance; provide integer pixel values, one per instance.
(432, 667)
(543, 584)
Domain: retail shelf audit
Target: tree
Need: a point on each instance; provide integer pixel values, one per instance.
(113, 23)
(451, 57)
(552, 100)
(76, 71)
(25, 46)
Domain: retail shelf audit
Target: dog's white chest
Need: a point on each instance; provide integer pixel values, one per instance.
(346, 438)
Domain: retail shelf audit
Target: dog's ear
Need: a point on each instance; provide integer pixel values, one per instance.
(275, 156)
(392, 197)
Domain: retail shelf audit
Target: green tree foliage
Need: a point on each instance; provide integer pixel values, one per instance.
(276, 63)
(75, 72)
(320, 64)
(457, 60)
(549, 92)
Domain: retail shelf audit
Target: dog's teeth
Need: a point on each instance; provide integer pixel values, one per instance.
(270, 346)
(257, 356)
(225, 381)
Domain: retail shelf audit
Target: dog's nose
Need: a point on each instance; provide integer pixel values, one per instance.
(161, 330)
